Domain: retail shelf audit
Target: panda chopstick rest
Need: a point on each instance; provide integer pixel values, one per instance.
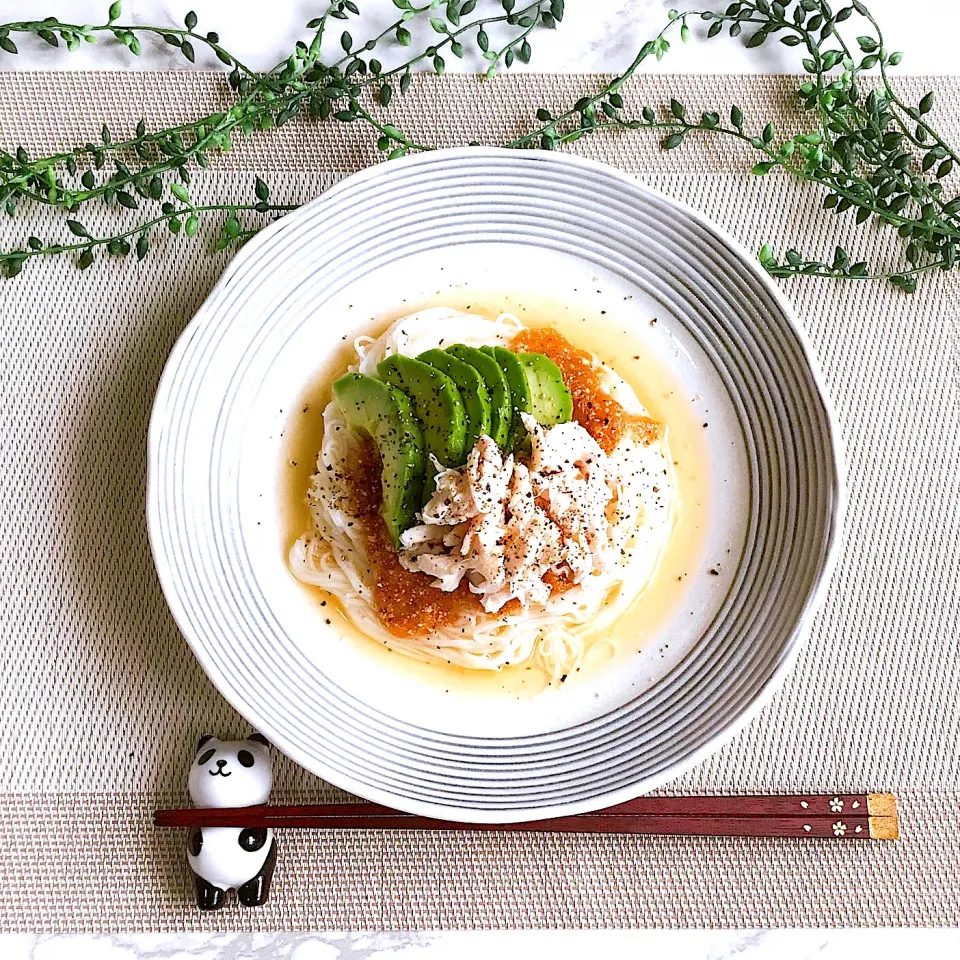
(231, 773)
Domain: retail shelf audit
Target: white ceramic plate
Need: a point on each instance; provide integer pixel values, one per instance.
(535, 224)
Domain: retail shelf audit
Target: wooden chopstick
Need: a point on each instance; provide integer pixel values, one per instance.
(840, 816)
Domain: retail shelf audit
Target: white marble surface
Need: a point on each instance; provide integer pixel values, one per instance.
(520, 945)
(596, 35)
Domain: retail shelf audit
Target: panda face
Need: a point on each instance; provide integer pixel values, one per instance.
(231, 773)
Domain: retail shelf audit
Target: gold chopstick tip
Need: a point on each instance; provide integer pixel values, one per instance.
(884, 828)
(882, 805)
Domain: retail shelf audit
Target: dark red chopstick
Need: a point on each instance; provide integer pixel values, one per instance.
(839, 816)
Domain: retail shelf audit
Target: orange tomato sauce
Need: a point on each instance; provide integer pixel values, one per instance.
(593, 408)
(406, 603)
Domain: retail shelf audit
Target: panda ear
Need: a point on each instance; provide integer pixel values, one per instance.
(206, 738)
(259, 738)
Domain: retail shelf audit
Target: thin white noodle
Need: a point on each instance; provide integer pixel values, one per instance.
(332, 554)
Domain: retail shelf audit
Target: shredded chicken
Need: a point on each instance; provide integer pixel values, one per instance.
(505, 524)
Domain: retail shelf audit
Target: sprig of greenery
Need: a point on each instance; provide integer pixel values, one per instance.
(138, 170)
(180, 215)
(870, 152)
(873, 154)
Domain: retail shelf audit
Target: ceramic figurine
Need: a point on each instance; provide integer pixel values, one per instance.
(231, 773)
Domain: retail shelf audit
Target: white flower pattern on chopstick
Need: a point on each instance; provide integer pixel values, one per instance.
(836, 805)
(839, 828)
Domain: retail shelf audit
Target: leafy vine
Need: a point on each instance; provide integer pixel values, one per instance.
(869, 151)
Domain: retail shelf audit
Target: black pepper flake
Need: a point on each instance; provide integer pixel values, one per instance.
(714, 572)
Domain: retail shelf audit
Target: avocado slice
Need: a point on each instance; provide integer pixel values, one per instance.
(377, 409)
(549, 396)
(496, 384)
(436, 403)
(476, 398)
(520, 399)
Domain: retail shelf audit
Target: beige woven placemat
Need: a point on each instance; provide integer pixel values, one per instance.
(101, 700)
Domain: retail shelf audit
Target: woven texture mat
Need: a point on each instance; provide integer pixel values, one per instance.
(101, 700)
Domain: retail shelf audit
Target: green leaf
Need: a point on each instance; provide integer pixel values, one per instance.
(483, 41)
(190, 20)
(114, 12)
(736, 116)
(944, 168)
(649, 115)
(346, 41)
(440, 65)
(261, 190)
(453, 13)
(186, 48)
(908, 284)
(7, 44)
(86, 259)
(895, 58)
(677, 109)
(78, 229)
(126, 200)
(438, 25)
(768, 132)
(673, 141)
(232, 227)
(926, 102)
(714, 29)
(180, 192)
(403, 36)
(867, 44)
(384, 95)
(192, 225)
(143, 244)
(87, 179)
(556, 8)
(765, 166)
